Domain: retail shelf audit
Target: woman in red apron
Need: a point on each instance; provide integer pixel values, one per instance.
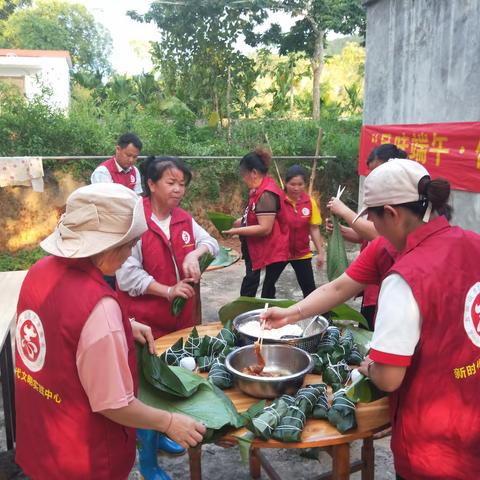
(163, 265)
(264, 226)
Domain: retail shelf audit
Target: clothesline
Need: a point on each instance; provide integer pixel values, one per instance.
(191, 157)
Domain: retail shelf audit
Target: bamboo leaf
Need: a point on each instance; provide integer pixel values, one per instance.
(345, 312)
(246, 304)
(337, 261)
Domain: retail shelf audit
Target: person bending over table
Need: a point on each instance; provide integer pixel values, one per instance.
(76, 379)
(163, 265)
(426, 342)
(263, 229)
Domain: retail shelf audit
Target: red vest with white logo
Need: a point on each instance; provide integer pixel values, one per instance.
(435, 412)
(299, 216)
(58, 436)
(273, 247)
(157, 254)
(128, 179)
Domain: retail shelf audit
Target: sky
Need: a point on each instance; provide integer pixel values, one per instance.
(130, 38)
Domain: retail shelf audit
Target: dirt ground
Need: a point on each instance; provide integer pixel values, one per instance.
(217, 288)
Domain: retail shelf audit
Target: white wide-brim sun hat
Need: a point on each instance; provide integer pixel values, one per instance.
(98, 217)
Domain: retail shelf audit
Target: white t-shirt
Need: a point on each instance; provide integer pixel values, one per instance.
(397, 324)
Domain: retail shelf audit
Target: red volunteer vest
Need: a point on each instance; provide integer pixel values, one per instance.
(435, 412)
(128, 179)
(58, 436)
(274, 247)
(157, 261)
(299, 217)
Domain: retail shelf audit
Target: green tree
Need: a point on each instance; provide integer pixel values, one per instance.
(57, 25)
(7, 7)
(197, 56)
(316, 18)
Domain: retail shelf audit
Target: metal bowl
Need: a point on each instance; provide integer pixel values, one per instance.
(308, 343)
(294, 362)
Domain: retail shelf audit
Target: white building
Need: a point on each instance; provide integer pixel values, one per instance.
(33, 70)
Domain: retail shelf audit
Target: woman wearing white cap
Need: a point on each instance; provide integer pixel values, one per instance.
(75, 360)
(426, 344)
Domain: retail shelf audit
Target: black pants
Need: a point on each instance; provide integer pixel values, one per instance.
(251, 280)
(303, 271)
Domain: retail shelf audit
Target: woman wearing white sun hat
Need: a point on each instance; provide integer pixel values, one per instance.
(75, 361)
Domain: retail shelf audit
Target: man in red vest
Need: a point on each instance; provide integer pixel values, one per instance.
(121, 167)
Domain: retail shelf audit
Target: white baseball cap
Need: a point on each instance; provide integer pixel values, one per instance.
(393, 183)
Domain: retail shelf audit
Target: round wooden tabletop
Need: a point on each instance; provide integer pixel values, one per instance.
(371, 417)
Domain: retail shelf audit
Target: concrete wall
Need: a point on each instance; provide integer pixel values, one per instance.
(423, 65)
(40, 72)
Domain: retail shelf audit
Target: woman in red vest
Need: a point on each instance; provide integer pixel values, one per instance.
(363, 231)
(263, 227)
(304, 219)
(426, 344)
(75, 360)
(163, 265)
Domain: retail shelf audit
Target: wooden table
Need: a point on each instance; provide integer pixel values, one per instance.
(371, 418)
(10, 283)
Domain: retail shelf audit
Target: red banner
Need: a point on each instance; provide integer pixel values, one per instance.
(448, 150)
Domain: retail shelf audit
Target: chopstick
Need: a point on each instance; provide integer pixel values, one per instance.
(262, 332)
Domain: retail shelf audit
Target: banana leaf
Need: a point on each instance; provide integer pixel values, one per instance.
(178, 303)
(355, 357)
(192, 344)
(265, 422)
(307, 397)
(245, 304)
(361, 337)
(336, 373)
(337, 261)
(329, 341)
(205, 363)
(222, 221)
(345, 312)
(291, 425)
(320, 410)
(227, 335)
(206, 403)
(317, 363)
(211, 346)
(173, 380)
(220, 376)
(174, 354)
(342, 412)
(364, 390)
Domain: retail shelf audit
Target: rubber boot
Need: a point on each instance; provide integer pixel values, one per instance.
(147, 456)
(167, 445)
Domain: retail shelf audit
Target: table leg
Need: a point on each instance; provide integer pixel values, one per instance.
(8, 390)
(368, 459)
(195, 461)
(254, 463)
(341, 461)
